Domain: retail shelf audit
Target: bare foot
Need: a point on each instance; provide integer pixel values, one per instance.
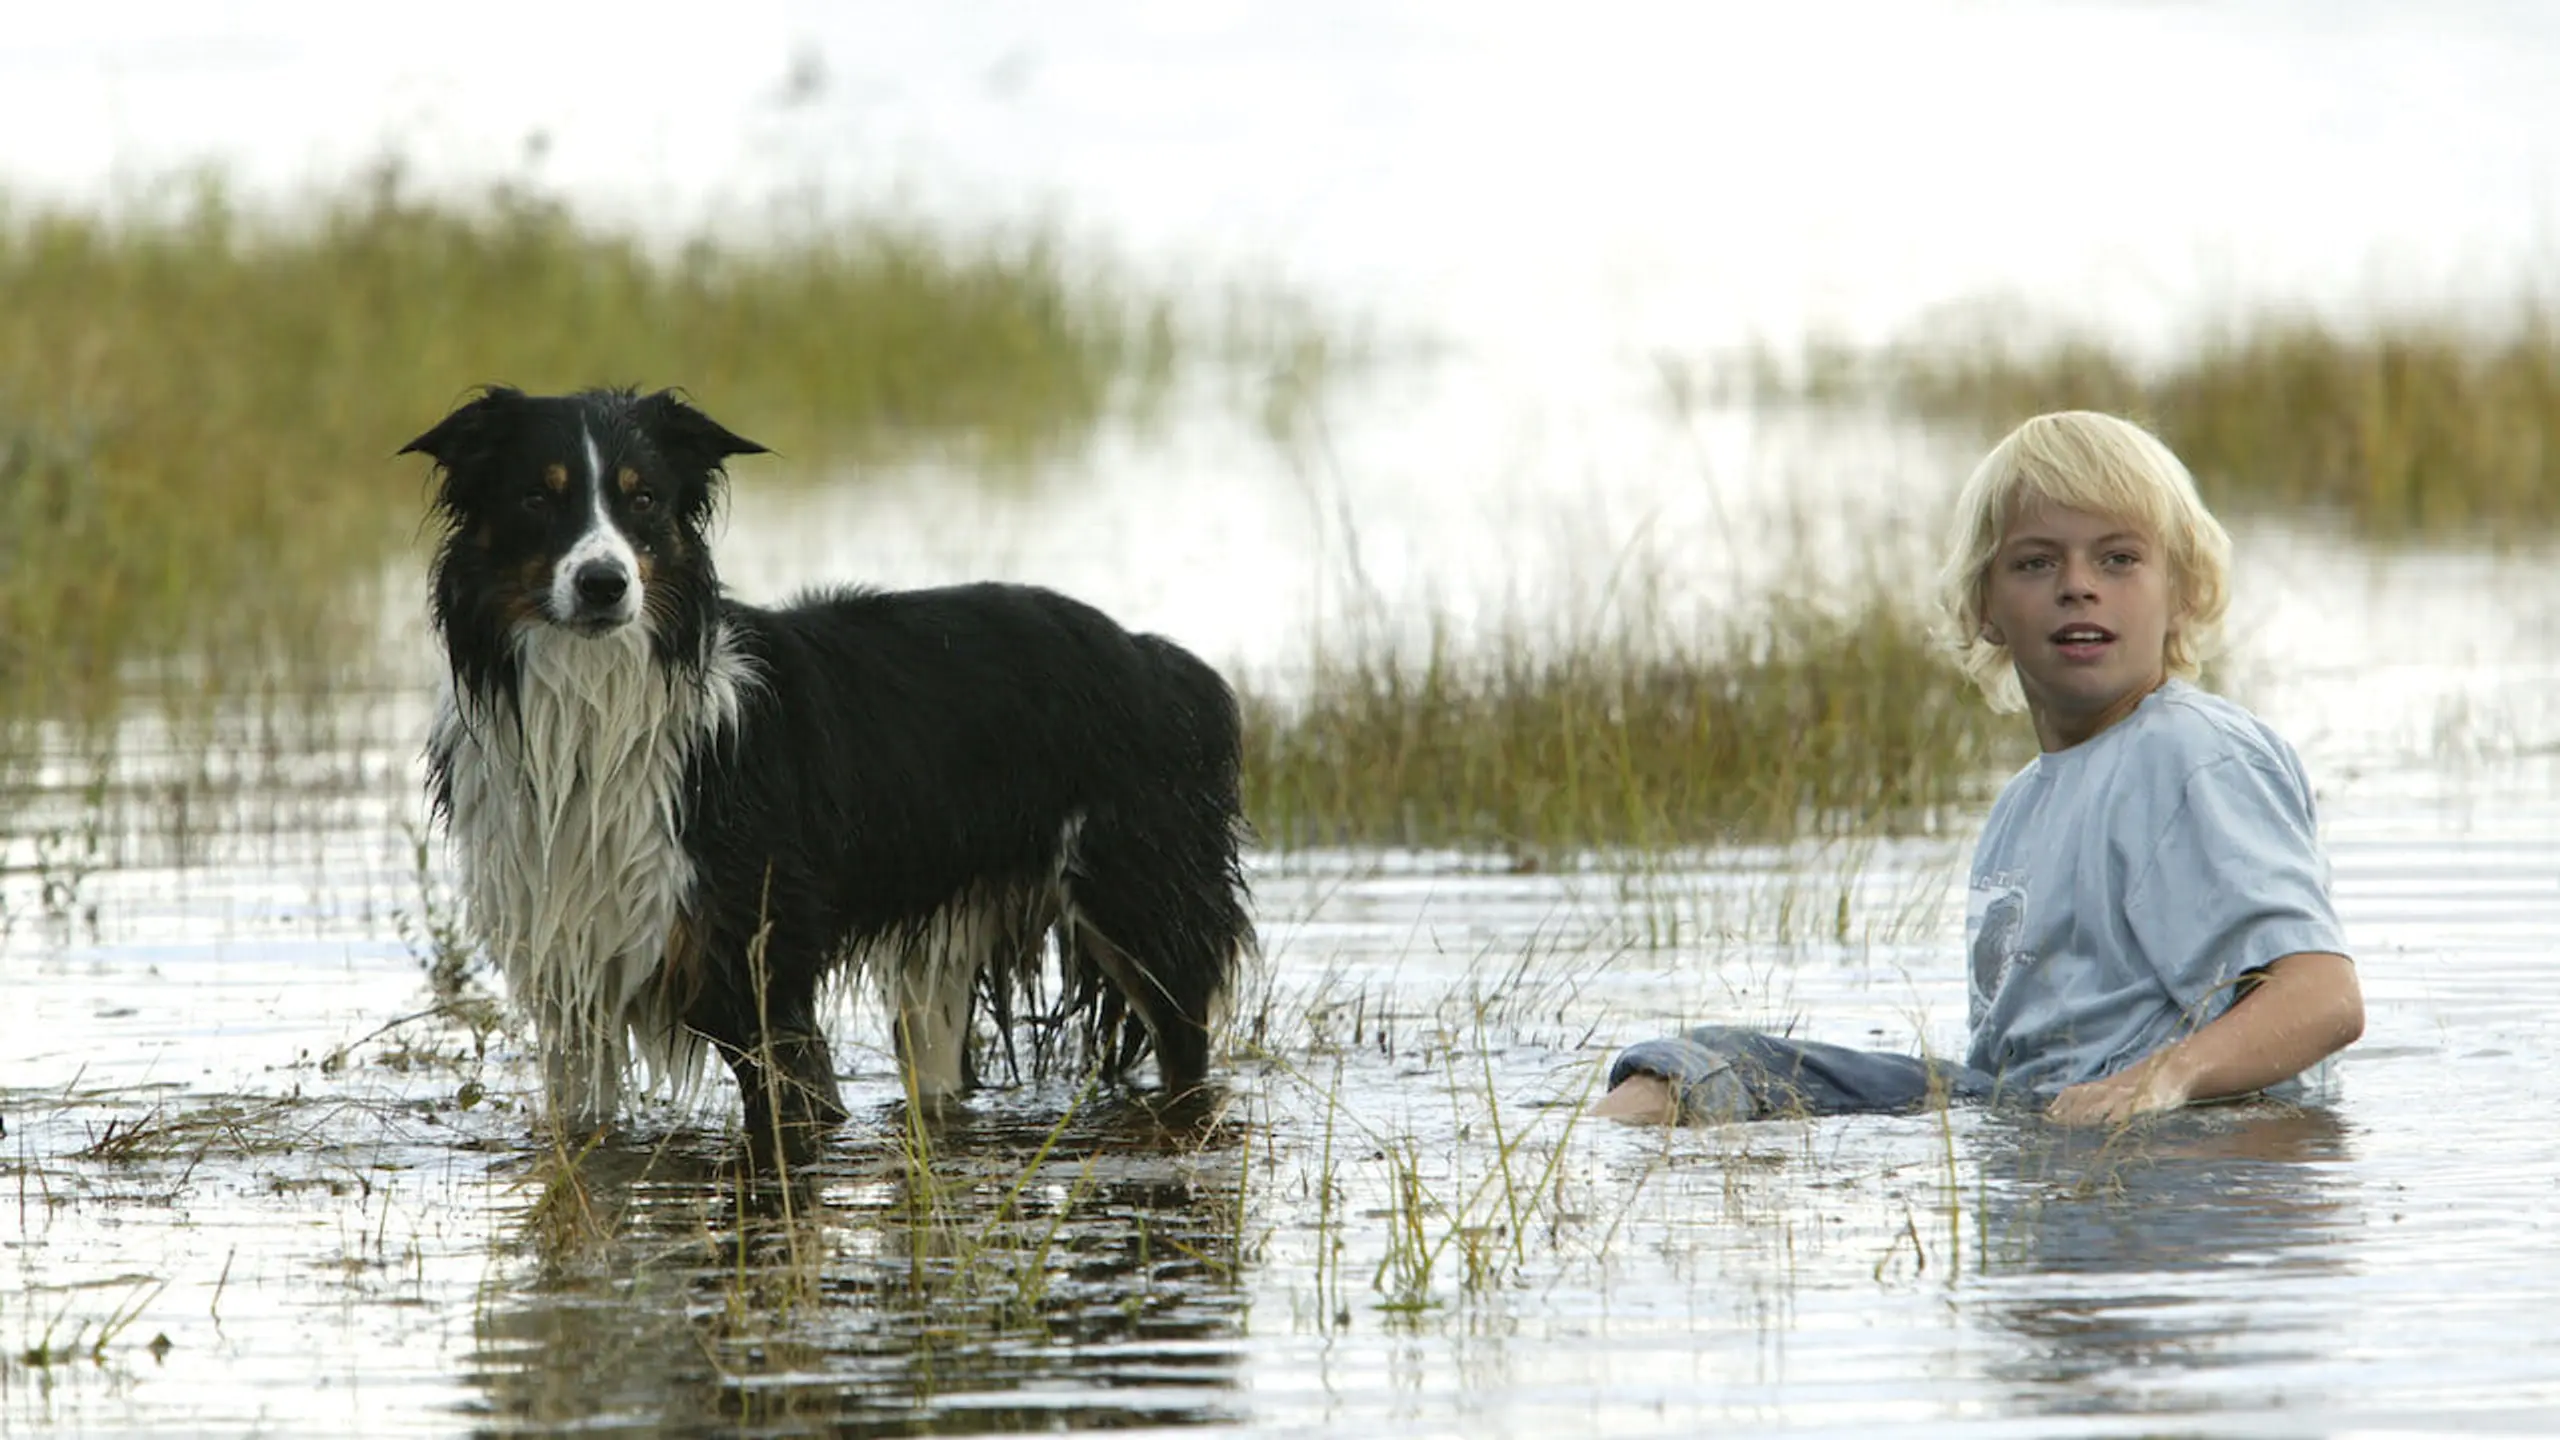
(1639, 1099)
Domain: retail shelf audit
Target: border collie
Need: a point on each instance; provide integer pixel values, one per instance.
(677, 815)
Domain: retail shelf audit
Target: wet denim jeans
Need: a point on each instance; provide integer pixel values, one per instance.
(1725, 1072)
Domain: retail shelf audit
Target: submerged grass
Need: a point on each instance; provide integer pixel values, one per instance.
(2407, 427)
(1799, 722)
(1043, 1258)
(199, 402)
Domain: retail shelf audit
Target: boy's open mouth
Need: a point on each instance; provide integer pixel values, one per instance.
(2082, 642)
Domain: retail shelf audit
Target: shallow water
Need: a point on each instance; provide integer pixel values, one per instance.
(222, 1133)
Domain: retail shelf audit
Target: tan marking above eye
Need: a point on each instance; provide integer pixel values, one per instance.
(629, 479)
(555, 477)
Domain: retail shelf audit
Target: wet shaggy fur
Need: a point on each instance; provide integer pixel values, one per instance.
(677, 815)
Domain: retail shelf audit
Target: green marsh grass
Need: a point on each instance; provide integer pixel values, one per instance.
(87, 1339)
(2406, 427)
(1794, 723)
(1454, 1211)
(199, 399)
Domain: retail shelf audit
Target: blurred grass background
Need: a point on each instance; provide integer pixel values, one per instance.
(2402, 428)
(199, 404)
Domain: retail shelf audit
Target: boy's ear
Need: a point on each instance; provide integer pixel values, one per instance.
(1991, 634)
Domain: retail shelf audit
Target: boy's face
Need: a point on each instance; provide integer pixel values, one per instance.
(2083, 602)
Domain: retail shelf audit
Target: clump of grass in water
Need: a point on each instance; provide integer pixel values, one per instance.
(198, 403)
(2409, 427)
(90, 1340)
(1804, 723)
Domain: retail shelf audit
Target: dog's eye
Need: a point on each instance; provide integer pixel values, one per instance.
(643, 501)
(536, 500)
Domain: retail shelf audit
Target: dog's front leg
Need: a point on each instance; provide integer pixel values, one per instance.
(786, 1075)
(582, 1064)
(788, 1084)
(582, 1093)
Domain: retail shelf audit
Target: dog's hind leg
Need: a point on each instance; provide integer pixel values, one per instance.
(929, 988)
(1155, 882)
(1011, 979)
(1166, 927)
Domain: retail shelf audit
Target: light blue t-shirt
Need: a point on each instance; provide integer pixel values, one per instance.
(2122, 888)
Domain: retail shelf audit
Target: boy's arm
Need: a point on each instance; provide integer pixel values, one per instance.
(2307, 1007)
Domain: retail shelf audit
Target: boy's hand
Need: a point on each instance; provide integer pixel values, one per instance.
(2306, 1005)
(2144, 1088)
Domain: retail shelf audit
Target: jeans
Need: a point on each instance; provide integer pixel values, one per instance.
(1725, 1072)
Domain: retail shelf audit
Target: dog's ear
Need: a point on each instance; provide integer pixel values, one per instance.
(687, 436)
(474, 428)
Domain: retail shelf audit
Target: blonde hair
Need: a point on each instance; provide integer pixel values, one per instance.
(2105, 466)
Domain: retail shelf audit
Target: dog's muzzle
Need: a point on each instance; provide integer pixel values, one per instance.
(600, 595)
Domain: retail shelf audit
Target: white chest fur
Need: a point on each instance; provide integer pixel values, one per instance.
(566, 819)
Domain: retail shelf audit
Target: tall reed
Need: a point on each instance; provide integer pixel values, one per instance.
(2401, 427)
(1790, 722)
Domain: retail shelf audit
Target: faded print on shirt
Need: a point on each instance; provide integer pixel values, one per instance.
(1995, 932)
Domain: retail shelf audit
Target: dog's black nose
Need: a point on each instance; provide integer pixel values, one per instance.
(601, 583)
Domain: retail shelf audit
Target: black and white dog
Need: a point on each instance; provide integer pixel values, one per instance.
(676, 814)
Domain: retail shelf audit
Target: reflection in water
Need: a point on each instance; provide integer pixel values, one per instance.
(1032, 1273)
(2125, 1260)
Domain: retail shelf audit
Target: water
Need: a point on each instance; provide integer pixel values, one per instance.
(229, 1125)
(1390, 1220)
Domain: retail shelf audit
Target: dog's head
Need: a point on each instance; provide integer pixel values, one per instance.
(581, 511)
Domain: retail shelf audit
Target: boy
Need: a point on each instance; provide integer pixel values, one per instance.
(2149, 923)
